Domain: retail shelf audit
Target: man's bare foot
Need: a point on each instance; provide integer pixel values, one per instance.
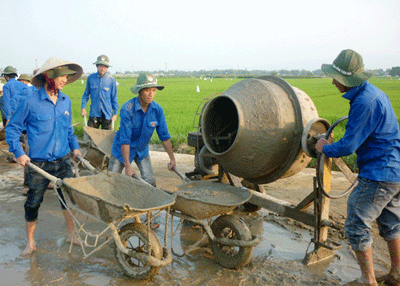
(28, 250)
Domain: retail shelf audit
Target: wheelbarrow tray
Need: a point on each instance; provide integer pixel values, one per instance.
(103, 139)
(204, 199)
(96, 146)
(111, 196)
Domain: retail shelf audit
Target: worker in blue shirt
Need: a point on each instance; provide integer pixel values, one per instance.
(101, 87)
(47, 116)
(2, 111)
(372, 132)
(25, 79)
(11, 89)
(140, 116)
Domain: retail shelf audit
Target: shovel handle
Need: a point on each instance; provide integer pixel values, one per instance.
(182, 176)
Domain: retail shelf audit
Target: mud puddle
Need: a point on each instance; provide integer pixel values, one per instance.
(277, 260)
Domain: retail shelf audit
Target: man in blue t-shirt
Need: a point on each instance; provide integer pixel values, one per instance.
(101, 87)
(140, 116)
(11, 90)
(372, 132)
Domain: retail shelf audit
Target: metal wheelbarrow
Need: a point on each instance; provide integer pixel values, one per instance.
(113, 198)
(198, 201)
(96, 148)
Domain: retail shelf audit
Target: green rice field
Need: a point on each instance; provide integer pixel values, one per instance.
(181, 101)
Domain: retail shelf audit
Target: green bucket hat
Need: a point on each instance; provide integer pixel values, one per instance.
(348, 69)
(102, 60)
(55, 67)
(9, 70)
(24, 77)
(145, 80)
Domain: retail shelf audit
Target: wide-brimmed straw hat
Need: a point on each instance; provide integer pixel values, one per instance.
(55, 67)
(102, 60)
(24, 77)
(145, 80)
(348, 69)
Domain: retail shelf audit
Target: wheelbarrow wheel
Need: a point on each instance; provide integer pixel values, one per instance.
(136, 237)
(231, 227)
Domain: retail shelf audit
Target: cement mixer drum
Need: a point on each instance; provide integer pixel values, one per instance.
(254, 129)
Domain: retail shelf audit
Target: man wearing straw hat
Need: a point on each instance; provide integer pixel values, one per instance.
(140, 116)
(372, 132)
(101, 87)
(47, 116)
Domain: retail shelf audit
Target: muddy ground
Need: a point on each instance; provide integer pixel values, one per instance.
(277, 260)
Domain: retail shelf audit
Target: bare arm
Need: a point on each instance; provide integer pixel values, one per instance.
(125, 154)
(168, 147)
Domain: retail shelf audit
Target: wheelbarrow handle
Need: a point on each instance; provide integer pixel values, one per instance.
(57, 182)
(182, 176)
(140, 179)
(84, 120)
(87, 165)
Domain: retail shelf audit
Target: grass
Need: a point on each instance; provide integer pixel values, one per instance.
(181, 102)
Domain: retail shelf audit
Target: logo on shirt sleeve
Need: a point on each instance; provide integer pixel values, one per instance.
(66, 113)
(153, 123)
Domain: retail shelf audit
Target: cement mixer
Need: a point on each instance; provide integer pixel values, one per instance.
(254, 129)
(258, 131)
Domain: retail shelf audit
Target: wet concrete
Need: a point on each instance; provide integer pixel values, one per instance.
(275, 261)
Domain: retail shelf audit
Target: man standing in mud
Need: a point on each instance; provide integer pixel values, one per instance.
(372, 132)
(102, 89)
(140, 117)
(47, 117)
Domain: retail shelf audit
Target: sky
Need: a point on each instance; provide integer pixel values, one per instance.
(198, 35)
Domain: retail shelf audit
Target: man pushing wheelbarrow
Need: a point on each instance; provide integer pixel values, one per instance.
(140, 116)
(47, 116)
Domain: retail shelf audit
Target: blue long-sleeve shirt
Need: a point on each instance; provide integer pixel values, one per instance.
(372, 132)
(103, 95)
(137, 127)
(48, 127)
(13, 90)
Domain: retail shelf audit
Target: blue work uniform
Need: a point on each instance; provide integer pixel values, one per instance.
(372, 132)
(136, 129)
(103, 95)
(48, 127)
(13, 88)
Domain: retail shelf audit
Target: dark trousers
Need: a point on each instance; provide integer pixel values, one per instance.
(60, 168)
(96, 122)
